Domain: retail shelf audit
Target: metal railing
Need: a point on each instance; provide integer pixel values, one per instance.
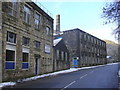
(42, 7)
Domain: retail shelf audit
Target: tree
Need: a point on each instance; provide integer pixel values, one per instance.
(111, 12)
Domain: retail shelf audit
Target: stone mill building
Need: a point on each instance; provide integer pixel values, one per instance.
(87, 49)
(26, 40)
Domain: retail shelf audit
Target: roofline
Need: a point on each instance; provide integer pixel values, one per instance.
(83, 32)
(36, 7)
(57, 43)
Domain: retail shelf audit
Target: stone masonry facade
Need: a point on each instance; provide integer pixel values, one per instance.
(61, 55)
(26, 40)
(88, 49)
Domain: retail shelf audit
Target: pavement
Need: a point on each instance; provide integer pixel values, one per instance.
(99, 77)
(119, 75)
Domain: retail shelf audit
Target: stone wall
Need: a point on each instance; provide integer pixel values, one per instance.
(70, 39)
(20, 28)
(61, 56)
(89, 49)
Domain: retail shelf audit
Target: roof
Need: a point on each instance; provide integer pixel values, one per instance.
(56, 41)
(77, 29)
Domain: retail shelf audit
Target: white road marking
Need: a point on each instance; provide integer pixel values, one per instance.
(69, 85)
(83, 76)
(75, 81)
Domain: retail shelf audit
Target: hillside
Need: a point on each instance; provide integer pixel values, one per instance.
(112, 50)
(110, 42)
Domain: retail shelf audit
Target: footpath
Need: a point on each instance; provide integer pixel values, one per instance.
(119, 75)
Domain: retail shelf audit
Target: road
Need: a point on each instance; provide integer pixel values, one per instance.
(99, 77)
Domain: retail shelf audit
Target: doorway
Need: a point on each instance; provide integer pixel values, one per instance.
(36, 65)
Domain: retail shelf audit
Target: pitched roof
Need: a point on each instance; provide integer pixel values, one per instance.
(56, 41)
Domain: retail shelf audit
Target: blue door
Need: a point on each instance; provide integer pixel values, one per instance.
(75, 63)
(36, 65)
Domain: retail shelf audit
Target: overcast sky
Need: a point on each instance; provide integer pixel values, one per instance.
(83, 15)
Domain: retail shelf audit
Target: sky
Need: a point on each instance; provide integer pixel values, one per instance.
(83, 15)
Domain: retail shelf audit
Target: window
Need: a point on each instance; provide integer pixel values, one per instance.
(25, 57)
(10, 55)
(48, 30)
(95, 41)
(10, 59)
(26, 41)
(62, 55)
(66, 56)
(92, 39)
(88, 38)
(12, 8)
(102, 44)
(37, 44)
(98, 42)
(26, 15)
(47, 48)
(11, 37)
(57, 54)
(84, 37)
(37, 21)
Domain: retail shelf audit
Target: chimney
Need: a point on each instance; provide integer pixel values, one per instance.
(57, 24)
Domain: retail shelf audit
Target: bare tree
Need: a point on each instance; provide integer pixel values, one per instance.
(111, 12)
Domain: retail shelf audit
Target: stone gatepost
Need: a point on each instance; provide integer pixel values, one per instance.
(0, 41)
